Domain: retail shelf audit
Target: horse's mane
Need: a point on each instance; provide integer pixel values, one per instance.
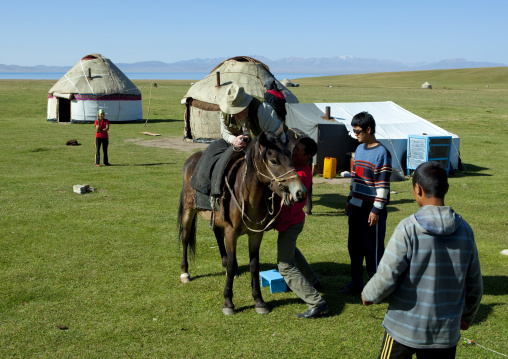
(270, 141)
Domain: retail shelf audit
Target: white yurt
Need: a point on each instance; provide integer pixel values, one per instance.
(286, 82)
(202, 112)
(94, 83)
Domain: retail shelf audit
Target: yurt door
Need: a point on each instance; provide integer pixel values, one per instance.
(64, 110)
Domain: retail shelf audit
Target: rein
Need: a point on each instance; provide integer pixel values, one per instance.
(244, 215)
(278, 179)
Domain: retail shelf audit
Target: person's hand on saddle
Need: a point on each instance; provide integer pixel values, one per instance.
(241, 141)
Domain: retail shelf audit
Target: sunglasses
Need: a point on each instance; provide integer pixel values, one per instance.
(357, 132)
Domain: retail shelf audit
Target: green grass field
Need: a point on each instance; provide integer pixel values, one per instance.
(97, 275)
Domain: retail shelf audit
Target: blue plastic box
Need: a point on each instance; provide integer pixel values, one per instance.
(273, 279)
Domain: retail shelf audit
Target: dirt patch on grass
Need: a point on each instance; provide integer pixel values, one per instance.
(336, 180)
(179, 144)
(171, 143)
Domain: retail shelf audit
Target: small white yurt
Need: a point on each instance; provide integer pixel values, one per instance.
(202, 112)
(94, 83)
(287, 82)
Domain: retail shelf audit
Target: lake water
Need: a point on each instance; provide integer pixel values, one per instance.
(138, 75)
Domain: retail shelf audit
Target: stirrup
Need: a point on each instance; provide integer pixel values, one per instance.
(214, 203)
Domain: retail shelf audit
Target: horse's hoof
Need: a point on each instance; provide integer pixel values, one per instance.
(228, 311)
(262, 310)
(185, 277)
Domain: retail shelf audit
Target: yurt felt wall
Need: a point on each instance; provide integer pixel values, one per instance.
(94, 83)
(202, 112)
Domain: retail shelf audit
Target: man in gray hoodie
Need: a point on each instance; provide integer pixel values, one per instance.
(431, 271)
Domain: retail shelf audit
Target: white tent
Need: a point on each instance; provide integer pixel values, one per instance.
(202, 112)
(335, 138)
(94, 83)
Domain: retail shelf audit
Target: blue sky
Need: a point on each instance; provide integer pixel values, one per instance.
(61, 32)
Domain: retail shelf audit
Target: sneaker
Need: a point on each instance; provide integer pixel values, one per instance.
(107, 164)
(97, 165)
(351, 288)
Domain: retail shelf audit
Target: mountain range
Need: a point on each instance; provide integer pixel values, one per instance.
(341, 65)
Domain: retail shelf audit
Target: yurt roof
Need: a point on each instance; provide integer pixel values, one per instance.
(242, 59)
(95, 74)
(241, 70)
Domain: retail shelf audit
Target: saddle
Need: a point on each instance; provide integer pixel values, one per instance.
(228, 161)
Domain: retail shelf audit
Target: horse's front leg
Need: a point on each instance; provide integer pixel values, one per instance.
(231, 269)
(254, 245)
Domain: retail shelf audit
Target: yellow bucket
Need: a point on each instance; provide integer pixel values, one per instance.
(330, 167)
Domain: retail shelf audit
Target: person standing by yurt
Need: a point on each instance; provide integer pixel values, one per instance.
(101, 138)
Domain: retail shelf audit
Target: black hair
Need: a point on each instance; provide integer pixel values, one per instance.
(310, 145)
(270, 84)
(364, 120)
(432, 178)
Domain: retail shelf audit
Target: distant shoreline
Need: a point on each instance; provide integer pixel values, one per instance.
(142, 75)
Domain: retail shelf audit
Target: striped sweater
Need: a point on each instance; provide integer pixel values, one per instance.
(370, 180)
(431, 271)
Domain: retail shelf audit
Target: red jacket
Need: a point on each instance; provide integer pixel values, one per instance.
(104, 123)
(295, 214)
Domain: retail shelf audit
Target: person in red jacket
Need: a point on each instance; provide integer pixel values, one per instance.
(101, 138)
(275, 98)
(292, 265)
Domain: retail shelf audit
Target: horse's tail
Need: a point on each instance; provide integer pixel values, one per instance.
(191, 240)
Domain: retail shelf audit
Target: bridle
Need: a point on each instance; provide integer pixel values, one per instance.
(277, 179)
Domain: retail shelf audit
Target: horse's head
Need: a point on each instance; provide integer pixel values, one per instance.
(274, 166)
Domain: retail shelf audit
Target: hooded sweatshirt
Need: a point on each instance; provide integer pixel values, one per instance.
(431, 271)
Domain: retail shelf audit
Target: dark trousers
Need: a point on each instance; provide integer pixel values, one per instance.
(391, 349)
(208, 175)
(365, 241)
(98, 142)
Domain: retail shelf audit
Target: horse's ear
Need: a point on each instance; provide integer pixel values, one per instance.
(263, 141)
(280, 130)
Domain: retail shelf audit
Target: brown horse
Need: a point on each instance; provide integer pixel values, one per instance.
(265, 170)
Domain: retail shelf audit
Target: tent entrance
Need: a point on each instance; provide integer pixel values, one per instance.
(64, 110)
